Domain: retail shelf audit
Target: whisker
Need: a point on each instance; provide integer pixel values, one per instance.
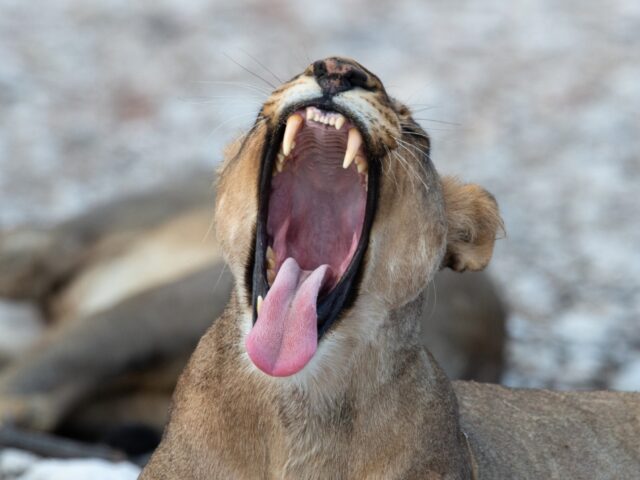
(261, 64)
(402, 144)
(248, 86)
(415, 92)
(402, 162)
(209, 228)
(425, 108)
(236, 104)
(455, 124)
(248, 70)
(433, 120)
(410, 129)
(224, 268)
(230, 119)
(395, 179)
(224, 105)
(219, 97)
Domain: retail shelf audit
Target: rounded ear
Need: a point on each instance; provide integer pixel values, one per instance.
(473, 222)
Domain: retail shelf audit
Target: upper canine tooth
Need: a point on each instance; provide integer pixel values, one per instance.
(340, 121)
(353, 145)
(294, 122)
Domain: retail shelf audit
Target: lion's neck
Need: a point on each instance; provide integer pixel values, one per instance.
(375, 379)
(363, 350)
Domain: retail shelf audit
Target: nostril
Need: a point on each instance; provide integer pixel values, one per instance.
(319, 69)
(357, 78)
(335, 76)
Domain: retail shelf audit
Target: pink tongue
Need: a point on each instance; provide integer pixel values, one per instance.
(285, 335)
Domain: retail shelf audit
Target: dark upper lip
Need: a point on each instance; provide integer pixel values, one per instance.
(344, 293)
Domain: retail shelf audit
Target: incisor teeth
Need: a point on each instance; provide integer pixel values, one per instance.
(354, 141)
(340, 121)
(294, 122)
(259, 304)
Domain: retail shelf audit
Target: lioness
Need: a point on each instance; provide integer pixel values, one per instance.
(333, 220)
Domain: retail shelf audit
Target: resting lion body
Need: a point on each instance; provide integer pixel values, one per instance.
(370, 402)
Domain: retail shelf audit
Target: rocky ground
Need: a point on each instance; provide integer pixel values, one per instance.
(536, 100)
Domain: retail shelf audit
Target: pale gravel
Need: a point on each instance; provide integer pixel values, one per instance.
(20, 465)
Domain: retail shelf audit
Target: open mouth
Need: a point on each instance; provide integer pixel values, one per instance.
(317, 200)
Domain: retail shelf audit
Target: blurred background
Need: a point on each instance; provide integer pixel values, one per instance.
(538, 101)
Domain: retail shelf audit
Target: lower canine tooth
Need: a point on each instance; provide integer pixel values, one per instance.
(294, 122)
(259, 304)
(361, 164)
(354, 141)
(271, 258)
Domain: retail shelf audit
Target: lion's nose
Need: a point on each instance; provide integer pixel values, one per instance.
(335, 76)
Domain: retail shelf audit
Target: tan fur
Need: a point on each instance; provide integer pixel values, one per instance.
(372, 403)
